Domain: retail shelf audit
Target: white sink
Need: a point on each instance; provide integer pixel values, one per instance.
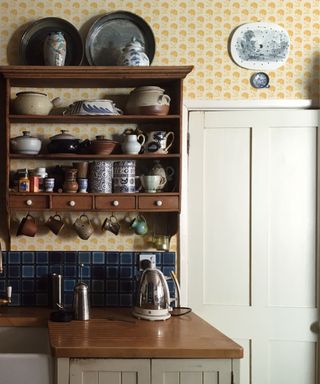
(25, 356)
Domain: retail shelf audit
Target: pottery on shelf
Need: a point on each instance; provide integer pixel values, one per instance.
(33, 103)
(132, 144)
(133, 54)
(25, 144)
(70, 184)
(63, 143)
(100, 176)
(148, 100)
(102, 146)
(55, 49)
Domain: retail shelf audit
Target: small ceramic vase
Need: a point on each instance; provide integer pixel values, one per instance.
(70, 184)
(55, 49)
(133, 54)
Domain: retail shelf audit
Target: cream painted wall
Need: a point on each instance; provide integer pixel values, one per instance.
(187, 32)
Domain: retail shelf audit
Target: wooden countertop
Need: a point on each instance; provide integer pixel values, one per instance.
(24, 316)
(114, 333)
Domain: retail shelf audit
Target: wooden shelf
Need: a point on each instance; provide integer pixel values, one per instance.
(114, 119)
(75, 156)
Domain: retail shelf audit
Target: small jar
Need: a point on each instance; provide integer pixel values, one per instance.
(24, 183)
(42, 174)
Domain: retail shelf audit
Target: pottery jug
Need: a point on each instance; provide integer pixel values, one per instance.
(54, 49)
(70, 184)
(139, 225)
(83, 227)
(26, 144)
(165, 172)
(132, 144)
(133, 54)
(34, 103)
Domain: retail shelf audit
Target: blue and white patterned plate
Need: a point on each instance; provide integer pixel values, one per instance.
(262, 46)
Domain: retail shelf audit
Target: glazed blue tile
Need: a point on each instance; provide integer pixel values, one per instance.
(70, 271)
(27, 285)
(27, 299)
(14, 257)
(16, 299)
(126, 286)
(112, 257)
(84, 271)
(70, 257)
(41, 299)
(84, 257)
(97, 257)
(42, 285)
(69, 284)
(97, 285)
(126, 258)
(168, 258)
(112, 300)
(55, 269)
(68, 299)
(56, 257)
(27, 271)
(126, 272)
(166, 270)
(158, 259)
(97, 299)
(98, 272)
(42, 257)
(27, 257)
(125, 300)
(41, 270)
(14, 271)
(112, 272)
(15, 284)
(111, 286)
(2, 286)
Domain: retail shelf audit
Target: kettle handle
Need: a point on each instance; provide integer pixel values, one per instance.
(177, 288)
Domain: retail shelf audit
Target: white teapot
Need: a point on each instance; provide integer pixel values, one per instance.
(133, 54)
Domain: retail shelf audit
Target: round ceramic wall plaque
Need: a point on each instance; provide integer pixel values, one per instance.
(261, 46)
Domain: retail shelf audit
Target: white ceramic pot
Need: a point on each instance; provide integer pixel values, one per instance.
(148, 100)
(25, 144)
(33, 103)
(133, 54)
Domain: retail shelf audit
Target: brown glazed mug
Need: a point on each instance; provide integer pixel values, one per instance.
(28, 226)
(83, 227)
(111, 224)
(82, 167)
(55, 224)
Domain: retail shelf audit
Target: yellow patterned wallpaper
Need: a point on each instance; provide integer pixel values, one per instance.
(187, 32)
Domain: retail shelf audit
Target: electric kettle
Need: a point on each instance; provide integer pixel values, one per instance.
(153, 297)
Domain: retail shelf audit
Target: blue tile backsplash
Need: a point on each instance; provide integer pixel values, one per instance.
(111, 276)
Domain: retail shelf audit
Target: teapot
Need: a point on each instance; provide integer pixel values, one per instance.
(34, 103)
(133, 54)
(166, 174)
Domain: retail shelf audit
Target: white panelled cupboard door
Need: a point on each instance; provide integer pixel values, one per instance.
(252, 236)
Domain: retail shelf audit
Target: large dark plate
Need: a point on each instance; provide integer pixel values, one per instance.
(31, 45)
(110, 33)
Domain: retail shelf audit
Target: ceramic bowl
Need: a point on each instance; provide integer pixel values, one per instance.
(102, 146)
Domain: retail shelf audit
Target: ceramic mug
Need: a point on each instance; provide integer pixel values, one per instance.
(55, 224)
(49, 184)
(82, 168)
(159, 141)
(111, 224)
(83, 185)
(28, 226)
(161, 242)
(151, 183)
(139, 225)
(83, 227)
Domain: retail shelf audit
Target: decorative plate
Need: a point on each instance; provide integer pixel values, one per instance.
(31, 44)
(260, 46)
(110, 33)
(260, 80)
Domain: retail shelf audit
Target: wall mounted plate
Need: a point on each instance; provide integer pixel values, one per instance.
(260, 80)
(261, 46)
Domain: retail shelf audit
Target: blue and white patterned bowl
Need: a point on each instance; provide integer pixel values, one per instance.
(93, 107)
